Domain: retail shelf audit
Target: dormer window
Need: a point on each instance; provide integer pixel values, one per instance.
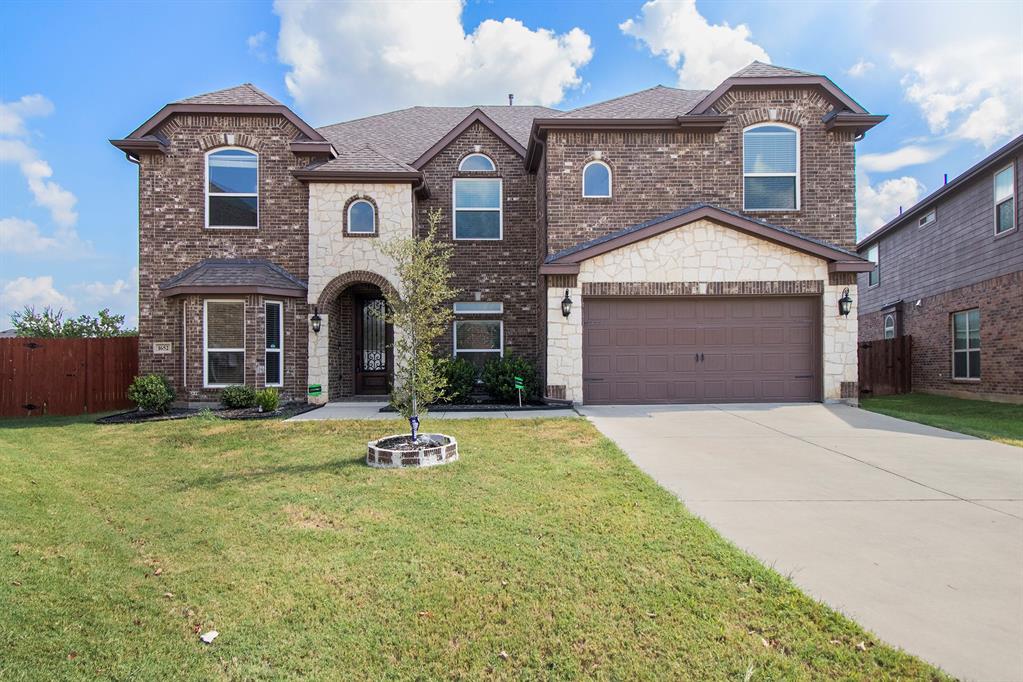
(477, 163)
(362, 217)
(597, 180)
(770, 161)
(232, 189)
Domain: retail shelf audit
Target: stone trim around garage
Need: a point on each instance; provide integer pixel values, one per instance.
(775, 288)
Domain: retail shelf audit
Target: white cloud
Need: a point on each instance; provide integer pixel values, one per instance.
(876, 205)
(121, 296)
(23, 237)
(910, 155)
(355, 58)
(13, 114)
(860, 68)
(708, 53)
(33, 291)
(256, 43)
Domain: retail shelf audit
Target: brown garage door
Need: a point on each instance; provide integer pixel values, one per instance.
(696, 350)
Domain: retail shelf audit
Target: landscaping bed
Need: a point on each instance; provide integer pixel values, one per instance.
(484, 406)
(285, 411)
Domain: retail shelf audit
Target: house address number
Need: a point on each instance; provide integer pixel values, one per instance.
(162, 347)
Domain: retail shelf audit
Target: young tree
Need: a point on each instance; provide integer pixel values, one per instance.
(50, 324)
(420, 313)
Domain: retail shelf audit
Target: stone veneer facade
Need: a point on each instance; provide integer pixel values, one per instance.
(691, 260)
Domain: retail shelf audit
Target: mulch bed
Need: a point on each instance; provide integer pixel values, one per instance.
(405, 443)
(137, 417)
(489, 407)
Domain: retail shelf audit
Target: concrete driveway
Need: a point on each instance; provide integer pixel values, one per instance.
(915, 532)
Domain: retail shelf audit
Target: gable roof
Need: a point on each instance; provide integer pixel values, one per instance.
(246, 93)
(839, 259)
(656, 102)
(986, 164)
(759, 74)
(364, 164)
(234, 276)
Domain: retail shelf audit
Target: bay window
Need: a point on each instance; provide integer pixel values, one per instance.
(223, 343)
(274, 352)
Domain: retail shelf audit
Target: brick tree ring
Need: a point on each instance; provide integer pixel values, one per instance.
(393, 452)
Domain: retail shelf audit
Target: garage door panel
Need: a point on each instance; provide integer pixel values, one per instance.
(678, 350)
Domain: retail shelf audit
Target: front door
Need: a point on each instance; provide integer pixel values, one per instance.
(372, 347)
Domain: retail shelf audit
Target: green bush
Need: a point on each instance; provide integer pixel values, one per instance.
(461, 376)
(238, 396)
(152, 392)
(499, 378)
(268, 400)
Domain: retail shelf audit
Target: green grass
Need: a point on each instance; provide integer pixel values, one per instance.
(1002, 422)
(543, 542)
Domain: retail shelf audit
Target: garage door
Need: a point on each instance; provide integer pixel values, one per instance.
(701, 350)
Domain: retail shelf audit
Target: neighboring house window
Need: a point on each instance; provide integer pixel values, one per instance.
(232, 188)
(926, 218)
(477, 163)
(479, 340)
(478, 208)
(274, 343)
(889, 326)
(362, 217)
(770, 159)
(596, 179)
(966, 344)
(1005, 200)
(478, 308)
(223, 343)
(875, 275)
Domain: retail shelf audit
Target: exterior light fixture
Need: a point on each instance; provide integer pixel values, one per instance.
(315, 319)
(566, 304)
(845, 303)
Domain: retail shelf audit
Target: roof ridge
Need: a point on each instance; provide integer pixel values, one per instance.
(628, 94)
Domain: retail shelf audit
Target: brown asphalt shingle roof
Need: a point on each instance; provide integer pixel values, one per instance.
(365, 159)
(655, 102)
(762, 70)
(234, 275)
(247, 93)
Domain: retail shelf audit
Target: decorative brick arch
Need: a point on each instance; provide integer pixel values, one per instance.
(342, 282)
(771, 115)
(208, 142)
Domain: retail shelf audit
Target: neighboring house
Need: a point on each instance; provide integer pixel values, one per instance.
(949, 273)
(665, 246)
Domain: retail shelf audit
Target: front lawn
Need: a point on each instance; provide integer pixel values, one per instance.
(542, 554)
(1002, 422)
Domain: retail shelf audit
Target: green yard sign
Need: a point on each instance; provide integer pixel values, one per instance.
(315, 389)
(518, 383)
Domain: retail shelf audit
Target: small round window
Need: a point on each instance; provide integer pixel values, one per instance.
(596, 179)
(361, 217)
(477, 163)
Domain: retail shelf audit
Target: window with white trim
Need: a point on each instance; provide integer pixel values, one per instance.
(926, 219)
(362, 217)
(889, 326)
(479, 340)
(874, 278)
(274, 343)
(232, 188)
(477, 163)
(478, 308)
(596, 180)
(966, 344)
(478, 208)
(223, 341)
(1005, 200)
(770, 166)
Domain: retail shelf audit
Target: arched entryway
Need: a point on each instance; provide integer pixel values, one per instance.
(359, 343)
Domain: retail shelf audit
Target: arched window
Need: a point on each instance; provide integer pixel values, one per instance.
(596, 179)
(477, 163)
(232, 188)
(770, 167)
(362, 217)
(889, 326)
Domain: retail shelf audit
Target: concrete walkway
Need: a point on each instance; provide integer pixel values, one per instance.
(915, 532)
(371, 410)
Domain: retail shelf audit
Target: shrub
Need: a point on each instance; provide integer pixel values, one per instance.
(268, 399)
(238, 396)
(152, 392)
(461, 376)
(499, 378)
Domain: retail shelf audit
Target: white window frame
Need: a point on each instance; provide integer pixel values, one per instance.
(796, 175)
(889, 317)
(205, 344)
(994, 188)
(499, 209)
(348, 221)
(966, 350)
(279, 351)
(463, 308)
(454, 345)
(610, 181)
(461, 164)
(874, 249)
(207, 194)
(927, 218)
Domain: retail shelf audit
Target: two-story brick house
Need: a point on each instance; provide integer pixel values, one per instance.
(949, 272)
(664, 246)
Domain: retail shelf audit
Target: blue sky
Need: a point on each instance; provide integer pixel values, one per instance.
(73, 75)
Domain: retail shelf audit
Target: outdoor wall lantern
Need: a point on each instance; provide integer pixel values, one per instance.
(845, 303)
(566, 304)
(315, 319)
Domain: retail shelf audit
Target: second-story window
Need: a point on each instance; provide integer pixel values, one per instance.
(1005, 200)
(770, 162)
(362, 217)
(926, 219)
(875, 275)
(596, 180)
(232, 188)
(477, 201)
(477, 163)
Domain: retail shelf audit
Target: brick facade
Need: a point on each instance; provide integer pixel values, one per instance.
(1000, 301)
(173, 236)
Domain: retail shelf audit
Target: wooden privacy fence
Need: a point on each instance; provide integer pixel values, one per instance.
(886, 366)
(66, 376)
